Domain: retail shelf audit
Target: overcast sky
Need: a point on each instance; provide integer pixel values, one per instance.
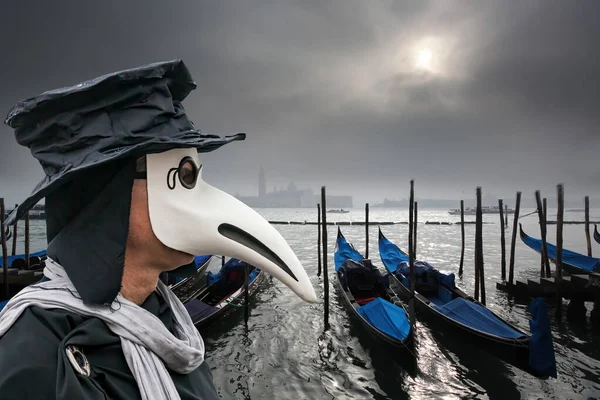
(357, 95)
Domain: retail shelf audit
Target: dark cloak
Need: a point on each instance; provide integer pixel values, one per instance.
(34, 364)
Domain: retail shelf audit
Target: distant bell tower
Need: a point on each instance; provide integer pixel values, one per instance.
(262, 183)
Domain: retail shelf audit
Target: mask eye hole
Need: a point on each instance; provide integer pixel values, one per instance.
(188, 172)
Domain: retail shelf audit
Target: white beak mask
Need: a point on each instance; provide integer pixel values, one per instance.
(191, 216)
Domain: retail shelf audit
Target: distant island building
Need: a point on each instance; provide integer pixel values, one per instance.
(290, 197)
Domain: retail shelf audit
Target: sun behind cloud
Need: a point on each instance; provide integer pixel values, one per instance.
(424, 60)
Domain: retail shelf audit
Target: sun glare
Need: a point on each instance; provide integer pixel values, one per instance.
(424, 59)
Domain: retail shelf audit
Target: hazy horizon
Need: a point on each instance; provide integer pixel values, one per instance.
(358, 96)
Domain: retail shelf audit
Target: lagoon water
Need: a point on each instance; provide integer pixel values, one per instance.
(286, 354)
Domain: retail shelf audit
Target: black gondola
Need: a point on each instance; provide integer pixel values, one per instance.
(439, 301)
(223, 292)
(186, 288)
(368, 297)
(596, 234)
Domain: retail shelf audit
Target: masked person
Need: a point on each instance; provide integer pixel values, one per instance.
(124, 201)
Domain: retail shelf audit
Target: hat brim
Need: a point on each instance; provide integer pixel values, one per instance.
(193, 139)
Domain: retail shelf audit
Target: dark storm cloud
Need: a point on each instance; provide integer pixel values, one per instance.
(329, 92)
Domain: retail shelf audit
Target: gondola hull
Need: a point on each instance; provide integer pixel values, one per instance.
(572, 262)
(351, 307)
(225, 307)
(514, 352)
(514, 347)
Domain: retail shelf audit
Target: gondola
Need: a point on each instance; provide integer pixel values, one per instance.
(438, 300)
(368, 297)
(596, 234)
(573, 263)
(36, 260)
(223, 292)
(186, 288)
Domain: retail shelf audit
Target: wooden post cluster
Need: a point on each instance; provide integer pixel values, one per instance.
(511, 265)
(367, 230)
(502, 241)
(319, 239)
(4, 248)
(324, 241)
(462, 235)
(559, 248)
(587, 225)
(542, 219)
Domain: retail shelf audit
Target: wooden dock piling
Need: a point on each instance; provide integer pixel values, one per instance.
(415, 232)
(411, 257)
(546, 263)
(506, 216)
(479, 273)
(513, 242)
(587, 225)
(4, 249)
(367, 230)
(319, 239)
(559, 248)
(246, 296)
(462, 235)
(324, 241)
(502, 241)
(27, 238)
(14, 243)
(545, 227)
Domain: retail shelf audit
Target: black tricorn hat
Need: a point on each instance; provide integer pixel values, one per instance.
(118, 115)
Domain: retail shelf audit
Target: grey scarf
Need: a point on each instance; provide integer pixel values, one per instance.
(148, 346)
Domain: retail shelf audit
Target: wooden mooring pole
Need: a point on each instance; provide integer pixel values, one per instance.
(542, 220)
(513, 242)
(4, 249)
(415, 232)
(559, 248)
(462, 235)
(587, 225)
(502, 241)
(324, 241)
(545, 227)
(367, 230)
(411, 256)
(506, 216)
(14, 243)
(480, 252)
(319, 239)
(27, 238)
(479, 276)
(246, 296)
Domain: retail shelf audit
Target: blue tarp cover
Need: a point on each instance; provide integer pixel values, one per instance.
(3, 304)
(390, 254)
(477, 317)
(541, 349)
(199, 310)
(387, 317)
(230, 265)
(345, 251)
(40, 253)
(568, 257)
